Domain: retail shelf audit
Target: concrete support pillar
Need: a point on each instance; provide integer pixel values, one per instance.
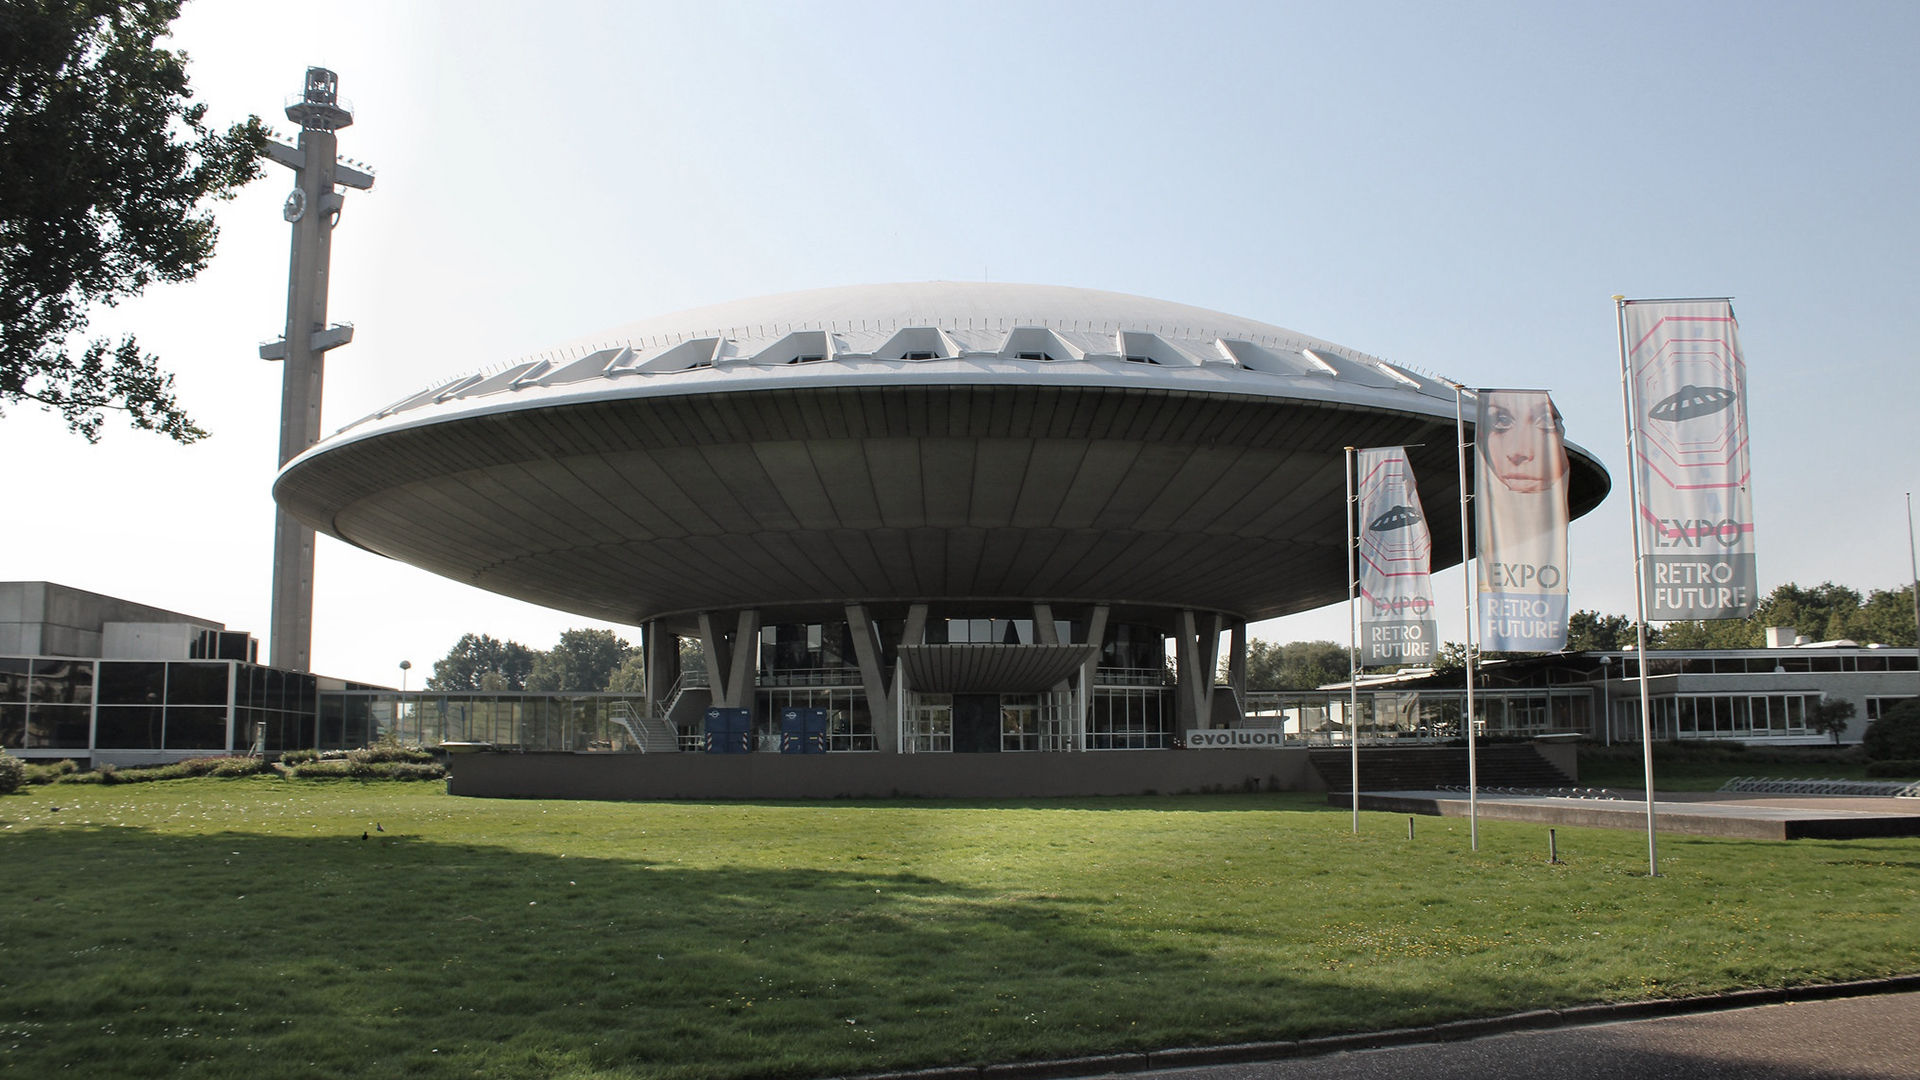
(1237, 663)
(882, 687)
(1097, 637)
(733, 660)
(660, 657)
(1196, 660)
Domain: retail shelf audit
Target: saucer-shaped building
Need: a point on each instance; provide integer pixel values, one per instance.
(958, 516)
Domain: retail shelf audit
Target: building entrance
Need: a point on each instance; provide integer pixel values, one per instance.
(976, 723)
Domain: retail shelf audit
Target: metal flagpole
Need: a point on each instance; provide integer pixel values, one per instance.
(1353, 647)
(1627, 402)
(1466, 602)
(1915, 561)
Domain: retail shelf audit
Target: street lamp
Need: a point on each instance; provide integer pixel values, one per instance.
(1606, 694)
(405, 666)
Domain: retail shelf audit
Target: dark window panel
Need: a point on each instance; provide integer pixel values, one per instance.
(63, 727)
(196, 728)
(13, 678)
(65, 682)
(128, 727)
(13, 725)
(128, 683)
(197, 684)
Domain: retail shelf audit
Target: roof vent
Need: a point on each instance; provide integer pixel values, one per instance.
(799, 347)
(1037, 343)
(693, 353)
(917, 343)
(1141, 348)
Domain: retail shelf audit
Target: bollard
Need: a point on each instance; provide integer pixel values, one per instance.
(1553, 848)
(1409, 826)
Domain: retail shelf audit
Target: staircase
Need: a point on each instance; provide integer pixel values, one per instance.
(650, 735)
(1429, 768)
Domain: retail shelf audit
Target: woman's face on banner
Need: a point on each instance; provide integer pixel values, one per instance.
(1525, 442)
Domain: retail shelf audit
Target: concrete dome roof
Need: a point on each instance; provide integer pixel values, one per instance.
(944, 441)
(920, 332)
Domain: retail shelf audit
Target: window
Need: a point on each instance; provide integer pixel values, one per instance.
(930, 724)
(1877, 706)
(1128, 718)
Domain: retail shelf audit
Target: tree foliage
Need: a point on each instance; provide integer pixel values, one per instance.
(1896, 735)
(1824, 612)
(479, 662)
(106, 170)
(1590, 631)
(1831, 717)
(1294, 665)
(583, 661)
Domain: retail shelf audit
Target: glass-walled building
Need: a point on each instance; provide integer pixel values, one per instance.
(157, 710)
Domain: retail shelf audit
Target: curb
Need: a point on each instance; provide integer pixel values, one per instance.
(1187, 1057)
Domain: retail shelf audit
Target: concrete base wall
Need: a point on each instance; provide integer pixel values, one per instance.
(834, 776)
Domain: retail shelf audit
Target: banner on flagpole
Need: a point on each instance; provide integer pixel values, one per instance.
(1520, 521)
(1696, 510)
(1397, 623)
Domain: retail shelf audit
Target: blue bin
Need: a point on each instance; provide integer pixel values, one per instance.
(803, 731)
(729, 731)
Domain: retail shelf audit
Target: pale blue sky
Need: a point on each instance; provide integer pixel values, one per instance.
(1456, 187)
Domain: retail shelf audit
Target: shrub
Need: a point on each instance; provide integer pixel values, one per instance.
(13, 773)
(361, 769)
(1898, 769)
(52, 772)
(299, 757)
(1896, 735)
(392, 751)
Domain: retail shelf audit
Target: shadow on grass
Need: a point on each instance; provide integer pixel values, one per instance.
(234, 954)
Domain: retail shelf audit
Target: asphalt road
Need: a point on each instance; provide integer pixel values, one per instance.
(1864, 1038)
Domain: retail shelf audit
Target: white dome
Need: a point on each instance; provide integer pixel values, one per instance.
(944, 331)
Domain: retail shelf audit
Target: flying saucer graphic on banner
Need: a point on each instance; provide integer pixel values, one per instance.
(1696, 513)
(1396, 554)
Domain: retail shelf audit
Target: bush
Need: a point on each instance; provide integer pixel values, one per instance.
(1899, 769)
(353, 768)
(1896, 735)
(299, 757)
(13, 773)
(51, 773)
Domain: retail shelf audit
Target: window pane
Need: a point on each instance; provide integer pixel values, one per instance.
(64, 682)
(13, 725)
(197, 728)
(129, 727)
(13, 678)
(132, 684)
(58, 726)
(197, 684)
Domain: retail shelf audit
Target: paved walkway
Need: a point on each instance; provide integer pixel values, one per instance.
(1735, 814)
(1864, 1038)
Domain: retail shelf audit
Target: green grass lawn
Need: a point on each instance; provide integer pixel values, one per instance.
(242, 928)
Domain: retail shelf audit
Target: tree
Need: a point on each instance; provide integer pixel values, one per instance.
(630, 677)
(583, 661)
(1294, 665)
(1896, 735)
(479, 662)
(1823, 612)
(1830, 718)
(1590, 631)
(106, 171)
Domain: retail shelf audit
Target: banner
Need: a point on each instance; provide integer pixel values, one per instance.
(1696, 511)
(1520, 521)
(1396, 593)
